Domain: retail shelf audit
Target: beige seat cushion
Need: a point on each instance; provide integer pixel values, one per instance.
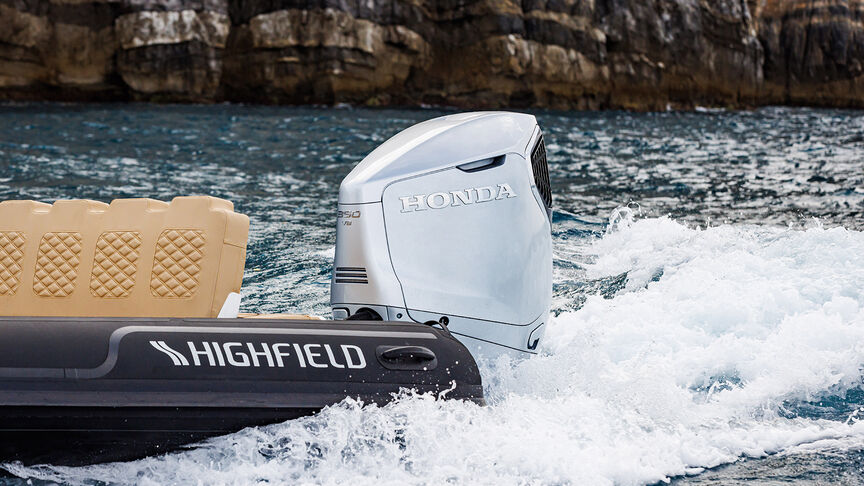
(132, 258)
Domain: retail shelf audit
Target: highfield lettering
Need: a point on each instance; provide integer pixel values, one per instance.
(264, 355)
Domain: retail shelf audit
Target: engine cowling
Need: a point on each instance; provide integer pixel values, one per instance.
(450, 221)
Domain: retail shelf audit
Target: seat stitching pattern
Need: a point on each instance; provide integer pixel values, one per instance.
(57, 264)
(177, 263)
(115, 262)
(11, 254)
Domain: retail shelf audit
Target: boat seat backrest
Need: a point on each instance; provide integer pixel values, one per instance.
(132, 258)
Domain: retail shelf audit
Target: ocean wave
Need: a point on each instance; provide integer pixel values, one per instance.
(698, 356)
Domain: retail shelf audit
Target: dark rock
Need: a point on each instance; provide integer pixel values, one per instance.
(470, 53)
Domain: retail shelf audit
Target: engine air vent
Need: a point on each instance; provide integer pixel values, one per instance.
(541, 172)
(351, 275)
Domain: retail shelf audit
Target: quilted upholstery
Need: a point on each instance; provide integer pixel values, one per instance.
(130, 258)
(114, 264)
(177, 263)
(11, 253)
(57, 264)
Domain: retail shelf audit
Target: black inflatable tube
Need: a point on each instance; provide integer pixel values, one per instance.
(84, 390)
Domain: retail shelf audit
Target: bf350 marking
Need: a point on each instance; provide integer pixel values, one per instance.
(271, 355)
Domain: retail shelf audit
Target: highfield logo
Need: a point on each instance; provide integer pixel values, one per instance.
(270, 355)
(465, 197)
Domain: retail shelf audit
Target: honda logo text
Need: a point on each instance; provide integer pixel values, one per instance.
(465, 197)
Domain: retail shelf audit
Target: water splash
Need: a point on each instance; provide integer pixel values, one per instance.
(669, 376)
(717, 319)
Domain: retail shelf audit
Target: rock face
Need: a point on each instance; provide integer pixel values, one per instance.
(814, 51)
(633, 54)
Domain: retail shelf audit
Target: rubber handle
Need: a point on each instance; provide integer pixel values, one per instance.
(416, 353)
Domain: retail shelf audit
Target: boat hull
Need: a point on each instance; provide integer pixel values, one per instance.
(85, 390)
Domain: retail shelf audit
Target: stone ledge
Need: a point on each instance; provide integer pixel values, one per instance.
(328, 28)
(142, 29)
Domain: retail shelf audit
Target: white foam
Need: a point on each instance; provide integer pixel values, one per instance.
(690, 365)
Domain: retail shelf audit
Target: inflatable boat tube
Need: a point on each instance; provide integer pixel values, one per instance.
(77, 390)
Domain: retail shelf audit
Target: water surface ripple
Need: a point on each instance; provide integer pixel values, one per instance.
(709, 293)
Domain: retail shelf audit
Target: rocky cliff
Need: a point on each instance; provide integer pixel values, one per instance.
(639, 54)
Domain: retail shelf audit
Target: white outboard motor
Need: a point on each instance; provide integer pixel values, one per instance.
(449, 221)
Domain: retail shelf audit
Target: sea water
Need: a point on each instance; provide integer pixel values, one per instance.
(708, 293)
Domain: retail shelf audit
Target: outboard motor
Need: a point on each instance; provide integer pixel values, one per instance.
(449, 222)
